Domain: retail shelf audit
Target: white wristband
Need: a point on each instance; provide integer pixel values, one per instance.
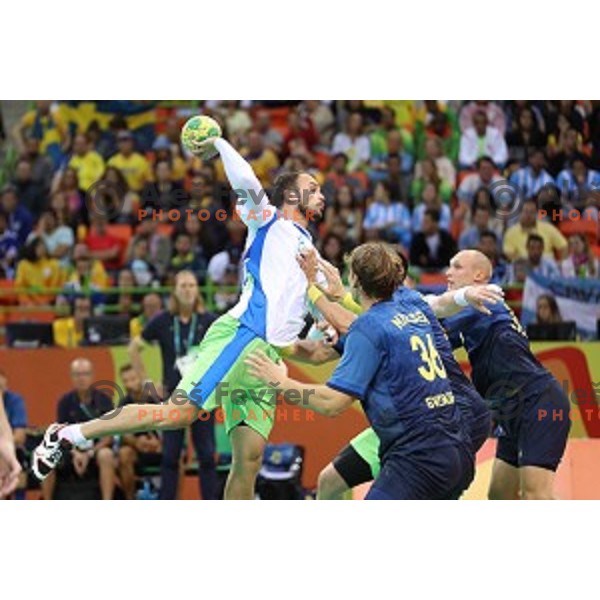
(460, 297)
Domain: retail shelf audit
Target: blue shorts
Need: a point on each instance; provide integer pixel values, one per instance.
(480, 423)
(533, 427)
(434, 474)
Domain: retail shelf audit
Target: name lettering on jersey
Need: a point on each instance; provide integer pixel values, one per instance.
(440, 400)
(413, 318)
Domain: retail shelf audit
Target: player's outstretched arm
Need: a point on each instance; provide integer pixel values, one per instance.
(451, 302)
(320, 398)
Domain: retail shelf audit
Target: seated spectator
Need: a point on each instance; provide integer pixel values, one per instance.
(141, 265)
(430, 200)
(322, 118)
(442, 127)
(237, 120)
(125, 299)
(37, 270)
(134, 166)
(378, 170)
(435, 151)
(86, 273)
(16, 414)
(493, 113)
(45, 124)
(67, 183)
(591, 210)
(272, 138)
(77, 220)
(208, 237)
(227, 296)
(547, 311)
(484, 178)
(96, 463)
(481, 223)
(103, 246)
(300, 127)
(353, 143)
(68, 332)
(332, 250)
(379, 137)
(188, 258)
(489, 244)
(525, 136)
(516, 236)
(88, 164)
(530, 180)
(20, 221)
(385, 219)
(345, 212)
(137, 449)
(338, 177)
(263, 160)
(577, 182)
(159, 245)
(536, 261)
(231, 254)
(581, 261)
(165, 151)
(42, 168)
(430, 175)
(9, 248)
(568, 149)
(31, 194)
(59, 238)
(151, 306)
(163, 193)
(433, 247)
(481, 140)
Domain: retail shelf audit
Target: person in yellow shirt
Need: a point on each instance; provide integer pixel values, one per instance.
(37, 270)
(263, 160)
(515, 238)
(69, 331)
(87, 272)
(87, 162)
(135, 167)
(151, 306)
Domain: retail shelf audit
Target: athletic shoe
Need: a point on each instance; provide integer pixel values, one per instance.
(47, 456)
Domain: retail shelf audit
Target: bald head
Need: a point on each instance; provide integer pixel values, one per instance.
(82, 373)
(467, 268)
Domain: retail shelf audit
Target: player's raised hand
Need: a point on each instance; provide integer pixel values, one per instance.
(480, 295)
(335, 288)
(263, 368)
(309, 265)
(204, 149)
(9, 468)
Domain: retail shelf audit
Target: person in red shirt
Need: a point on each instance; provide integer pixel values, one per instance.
(103, 246)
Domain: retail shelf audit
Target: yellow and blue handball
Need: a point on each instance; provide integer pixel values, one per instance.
(196, 130)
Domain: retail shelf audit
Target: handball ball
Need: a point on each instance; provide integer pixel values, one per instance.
(196, 130)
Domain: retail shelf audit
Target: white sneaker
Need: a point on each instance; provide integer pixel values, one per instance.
(49, 453)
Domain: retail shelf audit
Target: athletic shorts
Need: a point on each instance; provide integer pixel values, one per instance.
(219, 379)
(433, 474)
(534, 427)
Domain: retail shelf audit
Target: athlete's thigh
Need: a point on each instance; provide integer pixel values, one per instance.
(504, 484)
(537, 483)
(246, 444)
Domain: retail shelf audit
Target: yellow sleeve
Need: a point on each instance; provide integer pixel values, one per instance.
(28, 118)
(349, 304)
(509, 247)
(559, 242)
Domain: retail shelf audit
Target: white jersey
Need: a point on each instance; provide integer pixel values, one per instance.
(274, 302)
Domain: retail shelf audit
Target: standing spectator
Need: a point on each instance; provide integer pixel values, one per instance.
(547, 311)
(536, 261)
(68, 332)
(524, 136)
(494, 115)
(143, 449)
(480, 140)
(9, 248)
(515, 239)
(31, 194)
(581, 261)
(102, 245)
(97, 461)
(46, 125)
(16, 414)
(134, 166)
(431, 200)
(88, 164)
(433, 247)
(20, 221)
(177, 331)
(151, 306)
(470, 238)
(345, 215)
(59, 238)
(353, 143)
(530, 180)
(385, 219)
(38, 271)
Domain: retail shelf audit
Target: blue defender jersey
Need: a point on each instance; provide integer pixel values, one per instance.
(501, 360)
(391, 364)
